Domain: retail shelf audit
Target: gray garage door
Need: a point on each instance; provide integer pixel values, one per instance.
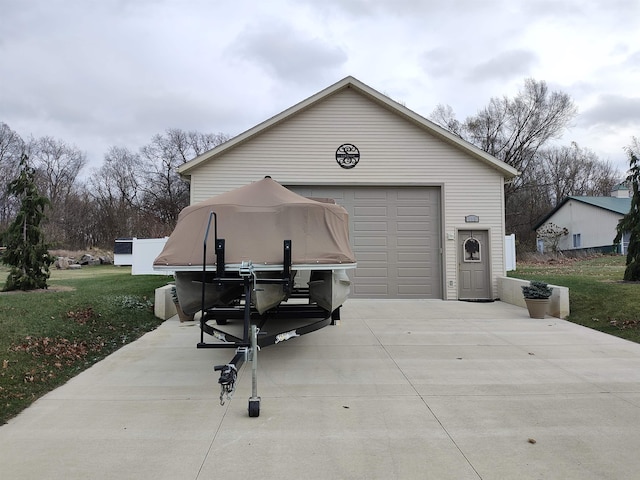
(395, 233)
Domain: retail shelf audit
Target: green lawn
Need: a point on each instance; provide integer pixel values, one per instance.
(598, 297)
(48, 337)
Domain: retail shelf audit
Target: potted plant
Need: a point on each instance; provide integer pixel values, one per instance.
(181, 315)
(536, 296)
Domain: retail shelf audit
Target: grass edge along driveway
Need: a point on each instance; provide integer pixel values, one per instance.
(48, 337)
(598, 297)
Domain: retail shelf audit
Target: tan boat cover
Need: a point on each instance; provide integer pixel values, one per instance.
(254, 220)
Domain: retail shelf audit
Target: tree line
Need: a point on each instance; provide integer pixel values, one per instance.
(139, 193)
(133, 193)
(523, 132)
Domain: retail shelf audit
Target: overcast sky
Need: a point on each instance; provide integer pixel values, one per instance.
(101, 73)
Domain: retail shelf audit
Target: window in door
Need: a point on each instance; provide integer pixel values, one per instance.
(472, 250)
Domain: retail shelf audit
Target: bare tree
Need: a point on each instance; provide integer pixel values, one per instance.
(132, 194)
(573, 170)
(11, 149)
(200, 143)
(57, 166)
(119, 178)
(165, 193)
(82, 229)
(514, 130)
(115, 192)
(444, 116)
(140, 193)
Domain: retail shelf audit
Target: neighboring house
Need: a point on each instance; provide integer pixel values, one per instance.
(426, 208)
(590, 221)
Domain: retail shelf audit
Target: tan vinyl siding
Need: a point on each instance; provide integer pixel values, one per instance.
(393, 151)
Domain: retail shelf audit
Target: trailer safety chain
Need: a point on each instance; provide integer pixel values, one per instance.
(227, 381)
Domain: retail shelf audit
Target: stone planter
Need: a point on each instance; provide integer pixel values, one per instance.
(537, 306)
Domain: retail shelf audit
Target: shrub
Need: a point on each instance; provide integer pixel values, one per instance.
(536, 290)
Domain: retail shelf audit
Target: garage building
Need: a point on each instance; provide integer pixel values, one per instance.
(426, 208)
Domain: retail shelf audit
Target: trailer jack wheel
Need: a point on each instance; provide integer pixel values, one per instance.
(254, 407)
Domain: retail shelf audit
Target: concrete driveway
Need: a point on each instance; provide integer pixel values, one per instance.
(400, 390)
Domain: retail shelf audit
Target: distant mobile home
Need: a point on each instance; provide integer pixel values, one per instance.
(590, 221)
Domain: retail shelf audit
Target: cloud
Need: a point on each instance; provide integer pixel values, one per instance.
(116, 72)
(506, 65)
(440, 62)
(613, 111)
(288, 54)
(369, 8)
(633, 61)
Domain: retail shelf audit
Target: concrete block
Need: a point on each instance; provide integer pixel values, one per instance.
(510, 291)
(163, 306)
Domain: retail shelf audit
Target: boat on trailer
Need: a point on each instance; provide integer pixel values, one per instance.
(277, 269)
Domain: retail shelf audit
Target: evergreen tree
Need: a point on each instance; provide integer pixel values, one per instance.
(26, 253)
(630, 223)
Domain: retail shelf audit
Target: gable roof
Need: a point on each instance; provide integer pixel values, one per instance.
(370, 93)
(613, 204)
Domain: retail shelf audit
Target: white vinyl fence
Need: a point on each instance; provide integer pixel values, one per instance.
(140, 254)
(510, 252)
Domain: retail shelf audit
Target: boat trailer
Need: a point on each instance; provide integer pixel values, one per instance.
(281, 323)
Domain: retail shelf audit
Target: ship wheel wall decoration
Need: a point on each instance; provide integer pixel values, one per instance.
(472, 249)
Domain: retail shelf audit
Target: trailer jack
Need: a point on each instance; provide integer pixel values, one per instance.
(229, 374)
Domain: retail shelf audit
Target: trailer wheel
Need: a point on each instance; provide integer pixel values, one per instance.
(254, 407)
(221, 321)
